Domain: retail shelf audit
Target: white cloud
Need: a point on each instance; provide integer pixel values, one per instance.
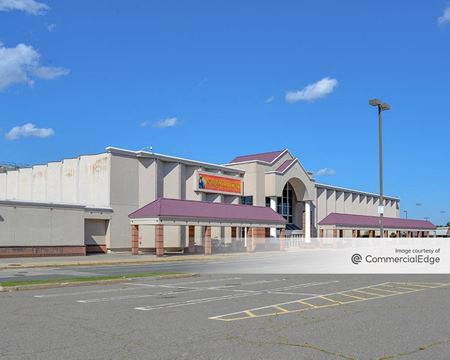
(28, 130)
(325, 172)
(29, 6)
(445, 18)
(21, 63)
(312, 91)
(269, 99)
(164, 123)
(51, 27)
(49, 73)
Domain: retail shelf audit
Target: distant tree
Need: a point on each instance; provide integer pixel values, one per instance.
(448, 224)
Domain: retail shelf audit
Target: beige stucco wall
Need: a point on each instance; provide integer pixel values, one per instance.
(136, 182)
(80, 181)
(351, 202)
(27, 225)
(127, 182)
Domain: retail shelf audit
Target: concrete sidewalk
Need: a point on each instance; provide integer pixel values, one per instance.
(106, 259)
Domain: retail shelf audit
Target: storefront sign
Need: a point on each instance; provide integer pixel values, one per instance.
(218, 183)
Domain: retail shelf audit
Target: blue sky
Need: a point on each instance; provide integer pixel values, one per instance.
(210, 80)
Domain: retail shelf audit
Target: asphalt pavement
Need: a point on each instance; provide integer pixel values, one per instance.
(233, 316)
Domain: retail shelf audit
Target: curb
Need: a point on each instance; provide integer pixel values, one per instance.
(93, 282)
(112, 262)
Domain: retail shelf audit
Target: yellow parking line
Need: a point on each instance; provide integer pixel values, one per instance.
(250, 313)
(424, 285)
(353, 296)
(389, 291)
(403, 287)
(368, 293)
(280, 308)
(305, 303)
(328, 299)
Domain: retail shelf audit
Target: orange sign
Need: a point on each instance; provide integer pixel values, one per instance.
(219, 184)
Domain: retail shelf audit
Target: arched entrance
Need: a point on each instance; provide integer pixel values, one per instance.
(294, 204)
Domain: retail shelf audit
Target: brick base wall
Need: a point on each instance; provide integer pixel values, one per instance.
(96, 249)
(34, 251)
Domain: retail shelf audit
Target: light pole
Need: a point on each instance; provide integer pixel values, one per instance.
(406, 213)
(381, 107)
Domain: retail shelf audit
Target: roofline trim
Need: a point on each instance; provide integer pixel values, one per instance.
(343, 189)
(54, 205)
(147, 154)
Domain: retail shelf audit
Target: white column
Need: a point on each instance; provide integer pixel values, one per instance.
(307, 224)
(273, 206)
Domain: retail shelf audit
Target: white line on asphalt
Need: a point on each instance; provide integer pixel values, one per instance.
(289, 293)
(127, 297)
(194, 302)
(86, 292)
(186, 282)
(224, 297)
(185, 289)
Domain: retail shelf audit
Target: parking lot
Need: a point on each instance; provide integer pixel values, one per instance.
(233, 316)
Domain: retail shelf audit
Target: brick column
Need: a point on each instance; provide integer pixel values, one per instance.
(249, 239)
(335, 233)
(282, 239)
(371, 233)
(386, 234)
(397, 233)
(191, 246)
(233, 238)
(258, 236)
(207, 245)
(159, 240)
(354, 233)
(267, 238)
(134, 239)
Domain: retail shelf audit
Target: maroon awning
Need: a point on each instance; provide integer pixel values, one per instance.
(209, 211)
(365, 221)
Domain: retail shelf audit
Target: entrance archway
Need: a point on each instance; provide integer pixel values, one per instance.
(295, 206)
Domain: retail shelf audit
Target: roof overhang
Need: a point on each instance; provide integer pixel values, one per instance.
(178, 212)
(202, 222)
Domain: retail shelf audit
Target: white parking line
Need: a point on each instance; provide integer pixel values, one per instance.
(184, 283)
(244, 293)
(177, 289)
(127, 297)
(85, 292)
(194, 302)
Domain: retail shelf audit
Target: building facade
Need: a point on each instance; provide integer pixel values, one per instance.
(82, 204)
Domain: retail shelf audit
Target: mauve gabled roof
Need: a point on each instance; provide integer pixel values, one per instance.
(203, 210)
(285, 165)
(267, 157)
(373, 222)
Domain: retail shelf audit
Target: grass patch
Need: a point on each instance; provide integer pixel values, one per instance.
(84, 279)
